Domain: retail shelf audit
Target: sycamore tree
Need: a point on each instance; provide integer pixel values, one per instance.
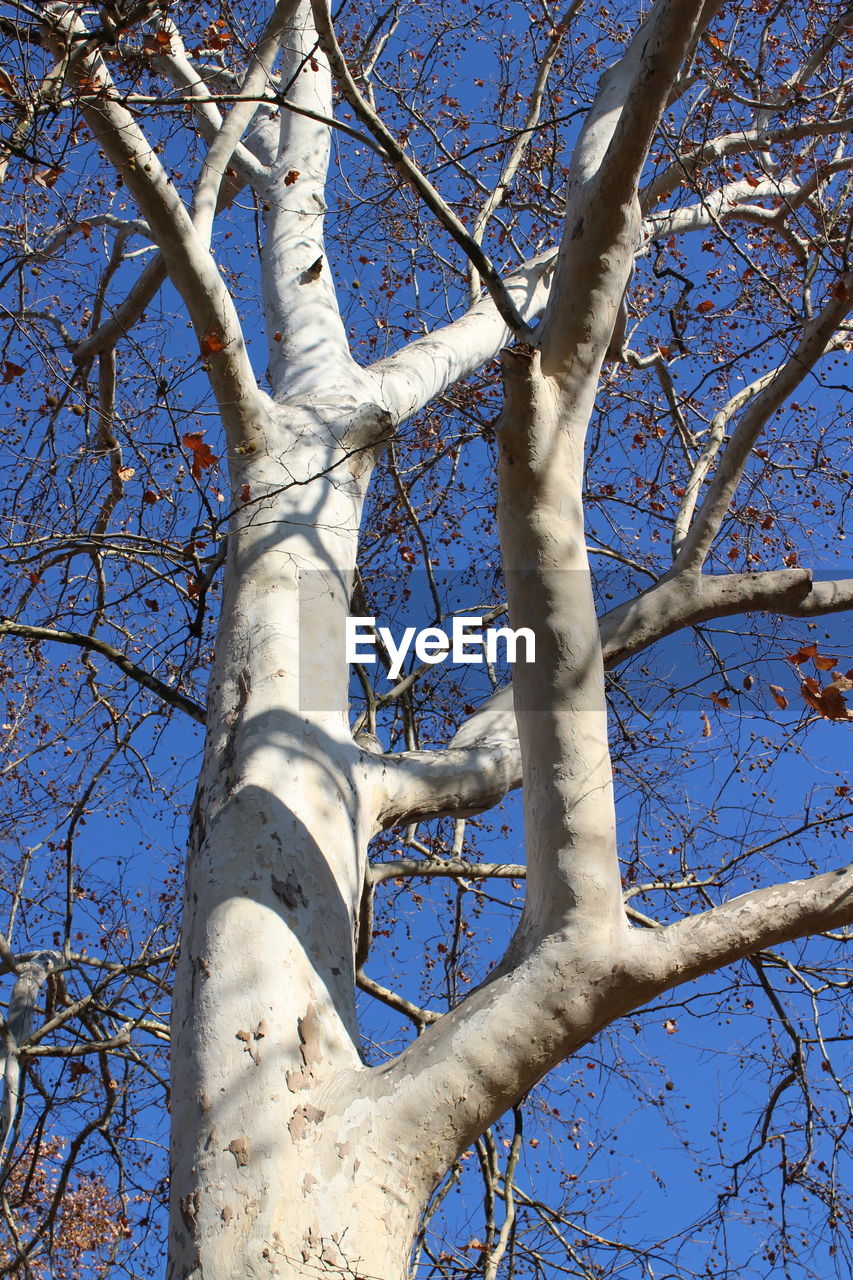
(300, 310)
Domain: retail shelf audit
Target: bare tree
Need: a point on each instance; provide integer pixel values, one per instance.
(560, 243)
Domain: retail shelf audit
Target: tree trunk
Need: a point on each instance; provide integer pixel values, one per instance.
(276, 1169)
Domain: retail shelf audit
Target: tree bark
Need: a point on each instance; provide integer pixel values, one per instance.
(268, 1145)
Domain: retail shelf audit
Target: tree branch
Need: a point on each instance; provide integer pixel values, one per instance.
(763, 918)
(424, 784)
(419, 372)
(178, 68)
(675, 602)
(142, 677)
(522, 140)
(256, 81)
(187, 258)
(602, 223)
(686, 167)
(307, 342)
(816, 337)
(561, 994)
(410, 173)
(443, 867)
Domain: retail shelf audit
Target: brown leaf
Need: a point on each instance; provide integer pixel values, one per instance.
(150, 496)
(748, 682)
(159, 42)
(290, 177)
(828, 702)
(719, 700)
(706, 725)
(11, 371)
(706, 306)
(670, 1026)
(47, 177)
(203, 456)
(833, 705)
(824, 664)
(216, 37)
(778, 697)
(126, 473)
(212, 341)
(7, 85)
(802, 655)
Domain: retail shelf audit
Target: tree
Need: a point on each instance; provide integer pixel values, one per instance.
(657, 430)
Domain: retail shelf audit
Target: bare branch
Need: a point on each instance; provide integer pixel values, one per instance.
(187, 258)
(602, 223)
(522, 140)
(423, 784)
(685, 168)
(409, 171)
(411, 868)
(677, 601)
(814, 342)
(419, 372)
(257, 78)
(81, 641)
(763, 918)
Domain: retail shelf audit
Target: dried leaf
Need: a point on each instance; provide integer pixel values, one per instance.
(802, 655)
(216, 37)
(159, 42)
(7, 85)
(720, 700)
(706, 725)
(126, 473)
(778, 697)
(212, 341)
(11, 371)
(203, 456)
(290, 177)
(47, 177)
(706, 306)
(828, 702)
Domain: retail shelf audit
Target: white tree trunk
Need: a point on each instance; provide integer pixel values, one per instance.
(271, 1174)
